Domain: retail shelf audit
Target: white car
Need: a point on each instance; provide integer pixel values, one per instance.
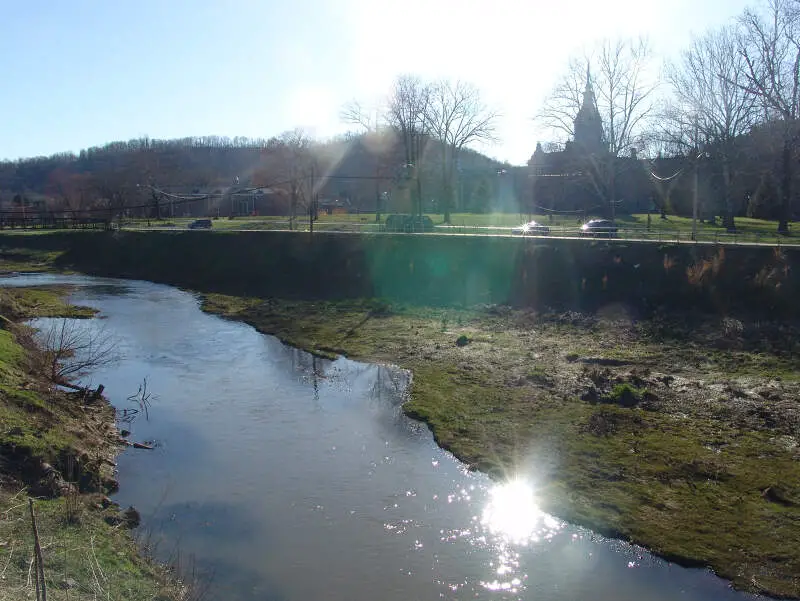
(532, 228)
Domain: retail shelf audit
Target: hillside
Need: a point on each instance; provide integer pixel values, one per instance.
(141, 173)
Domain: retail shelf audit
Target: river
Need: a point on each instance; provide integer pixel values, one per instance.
(288, 477)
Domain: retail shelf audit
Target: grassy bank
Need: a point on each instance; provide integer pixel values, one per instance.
(33, 260)
(679, 436)
(59, 448)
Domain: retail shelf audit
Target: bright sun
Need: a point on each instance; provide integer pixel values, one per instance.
(513, 513)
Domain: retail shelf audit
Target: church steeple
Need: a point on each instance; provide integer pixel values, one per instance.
(588, 123)
(588, 91)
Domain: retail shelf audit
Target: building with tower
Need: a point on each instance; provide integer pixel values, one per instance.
(583, 176)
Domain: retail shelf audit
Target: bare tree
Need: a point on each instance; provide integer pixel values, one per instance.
(72, 350)
(293, 169)
(377, 139)
(69, 189)
(617, 79)
(712, 107)
(624, 92)
(356, 113)
(406, 113)
(770, 47)
(562, 105)
(114, 192)
(456, 117)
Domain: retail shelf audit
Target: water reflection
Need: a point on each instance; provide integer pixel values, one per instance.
(513, 514)
(511, 518)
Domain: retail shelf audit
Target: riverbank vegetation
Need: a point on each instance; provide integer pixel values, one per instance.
(28, 260)
(677, 432)
(59, 448)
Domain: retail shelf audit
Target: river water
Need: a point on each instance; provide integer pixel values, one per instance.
(287, 477)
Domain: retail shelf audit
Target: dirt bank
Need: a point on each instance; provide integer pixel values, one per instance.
(680, 436)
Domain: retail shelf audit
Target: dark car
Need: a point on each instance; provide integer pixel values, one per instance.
(200, 224)
(420, 224)
(408, 223)
(394, 223)
(599, 228)
(532, 228)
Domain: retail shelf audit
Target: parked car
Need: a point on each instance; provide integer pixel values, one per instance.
(200, 224)
(532, 228)
(408, 223)
(599, 228)
(420, 224)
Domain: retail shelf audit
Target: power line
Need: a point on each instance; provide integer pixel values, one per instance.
(560, 212)
(181, 199)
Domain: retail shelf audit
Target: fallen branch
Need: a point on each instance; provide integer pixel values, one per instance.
(73, 386)
(136, 445)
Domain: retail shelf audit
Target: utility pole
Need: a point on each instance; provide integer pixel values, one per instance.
(695, 183)
(312, 202)
(694, 199)
(377, 193)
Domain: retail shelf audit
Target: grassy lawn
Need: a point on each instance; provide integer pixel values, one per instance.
(681, 437)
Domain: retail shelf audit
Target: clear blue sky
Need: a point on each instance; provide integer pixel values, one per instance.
(81, 73)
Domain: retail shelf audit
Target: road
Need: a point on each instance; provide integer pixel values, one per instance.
(655, 239)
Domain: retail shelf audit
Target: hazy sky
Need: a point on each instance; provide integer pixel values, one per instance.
(81, 73)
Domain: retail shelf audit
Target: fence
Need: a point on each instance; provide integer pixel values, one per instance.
(43, 222)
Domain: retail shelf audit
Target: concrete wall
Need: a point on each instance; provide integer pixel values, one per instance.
(443, 270)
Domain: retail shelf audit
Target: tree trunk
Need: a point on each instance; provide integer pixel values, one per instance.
(419, 192)
(446, 185)
(612, 187)
(786, 187)
(377, 197)
(728, 221)
(448, 195)
(293, 211)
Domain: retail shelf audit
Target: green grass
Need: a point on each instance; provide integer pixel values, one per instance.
(684, 481)
(26, 260)
(10, 352)
(624, 395)
(30, 423)
(97, 560)
(40, 301)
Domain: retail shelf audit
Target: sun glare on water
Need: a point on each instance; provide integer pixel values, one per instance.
(513, 514)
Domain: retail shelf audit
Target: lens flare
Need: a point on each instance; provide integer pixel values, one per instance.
(513, 514)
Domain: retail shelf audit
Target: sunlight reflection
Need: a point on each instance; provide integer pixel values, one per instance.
(513, 514)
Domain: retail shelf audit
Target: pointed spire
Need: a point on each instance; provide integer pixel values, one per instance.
(588, 123)
(588, 94)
